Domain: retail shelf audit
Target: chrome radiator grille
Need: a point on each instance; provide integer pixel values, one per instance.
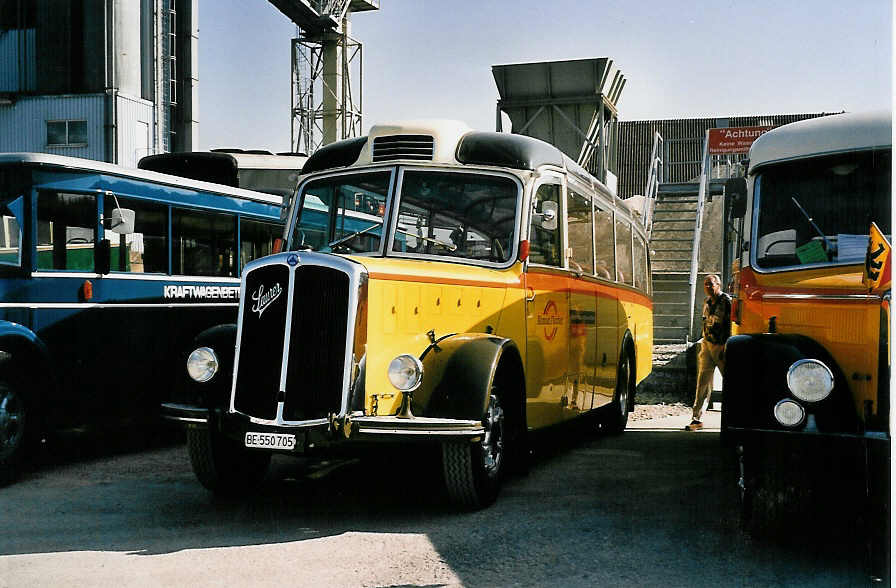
(317, 335)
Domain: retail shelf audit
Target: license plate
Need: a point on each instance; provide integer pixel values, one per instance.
(270, 440)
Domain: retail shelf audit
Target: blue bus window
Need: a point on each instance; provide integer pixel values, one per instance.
(146, 249)
(11, 215)
(257, 239)
(66, 231)
(203, 243)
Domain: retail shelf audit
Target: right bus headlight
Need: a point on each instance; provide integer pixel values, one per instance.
(810, 380)
(202, 364)
(789, 413)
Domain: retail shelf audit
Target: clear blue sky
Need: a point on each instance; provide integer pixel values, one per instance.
(425, 58)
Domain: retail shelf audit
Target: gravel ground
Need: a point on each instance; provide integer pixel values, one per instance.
(644, 412)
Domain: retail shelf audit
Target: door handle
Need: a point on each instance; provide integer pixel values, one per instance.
(532, 294)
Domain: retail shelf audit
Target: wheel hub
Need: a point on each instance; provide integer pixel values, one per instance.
(11, 415)
(493, 440)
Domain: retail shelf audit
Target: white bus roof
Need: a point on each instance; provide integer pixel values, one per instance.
(91, 165)
(263, 160)
(826, 135)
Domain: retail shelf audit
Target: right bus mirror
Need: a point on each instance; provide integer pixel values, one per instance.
(549, 212)
(736, 189)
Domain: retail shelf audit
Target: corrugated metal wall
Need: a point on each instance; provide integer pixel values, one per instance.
(24, 124)
(17, 60)
(134, 125)
(683, 145)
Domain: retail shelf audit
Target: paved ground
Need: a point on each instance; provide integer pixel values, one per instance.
(653, 507)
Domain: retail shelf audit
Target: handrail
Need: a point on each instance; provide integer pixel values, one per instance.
(698, 226)
(653, 182)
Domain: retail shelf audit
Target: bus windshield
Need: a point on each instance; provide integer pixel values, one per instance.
(469, 216)
(818, 211)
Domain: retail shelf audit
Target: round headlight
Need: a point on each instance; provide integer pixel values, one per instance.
(810, 380)
(406, 372)
(789, 413)
(202, 364)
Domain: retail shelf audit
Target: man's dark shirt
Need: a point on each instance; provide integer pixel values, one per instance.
(717, 318)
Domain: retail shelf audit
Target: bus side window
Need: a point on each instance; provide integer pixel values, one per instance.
(66, 231)
(203, 243)
(603, 244)
(257, 239)
(581, 233)
(146, 249)
(623, 252)
(544, 244)
(639, 259)
(11, 214)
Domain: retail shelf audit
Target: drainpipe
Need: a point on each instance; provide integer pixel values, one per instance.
(111, 92)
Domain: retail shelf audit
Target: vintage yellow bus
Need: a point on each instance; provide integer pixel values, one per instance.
(438, 284)
(806, 397)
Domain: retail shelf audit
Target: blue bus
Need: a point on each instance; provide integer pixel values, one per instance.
(106, 274)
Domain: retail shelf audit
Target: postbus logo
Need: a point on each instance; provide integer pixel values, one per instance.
(264, 298)
(550, 319)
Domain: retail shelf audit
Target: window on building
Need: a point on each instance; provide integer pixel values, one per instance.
(203, 243)
(66, 133)
(146, 249)
(66, 231)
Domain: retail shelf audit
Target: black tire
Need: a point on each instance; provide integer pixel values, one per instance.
(473, 470)
(223, 465)
(615, 417)
(13, 423)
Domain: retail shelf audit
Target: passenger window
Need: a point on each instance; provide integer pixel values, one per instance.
(639, 259)
(257, 239)
(66, 231)
(12, 212)
(146, 249)
(604, 245)
(623, 252)
(544, 243)
(581, 233)
(203, 243)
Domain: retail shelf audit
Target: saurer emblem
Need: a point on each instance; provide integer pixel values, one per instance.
(263, 299)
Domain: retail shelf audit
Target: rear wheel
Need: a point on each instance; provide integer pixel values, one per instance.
(473, 470)
(12, 431)
(615, 416)
(222, 465)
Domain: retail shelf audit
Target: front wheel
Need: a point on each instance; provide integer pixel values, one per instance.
(222, 465)
(473, 470)
(12, 432)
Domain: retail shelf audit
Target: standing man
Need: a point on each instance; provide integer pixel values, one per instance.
(716, 330)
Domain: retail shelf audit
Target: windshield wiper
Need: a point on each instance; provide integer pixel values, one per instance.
(353, 235)
(827, 245)
(449, 246)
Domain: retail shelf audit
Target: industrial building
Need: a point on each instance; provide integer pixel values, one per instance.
(110, 80)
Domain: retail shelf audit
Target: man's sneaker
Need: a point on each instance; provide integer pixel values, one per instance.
(694, 426)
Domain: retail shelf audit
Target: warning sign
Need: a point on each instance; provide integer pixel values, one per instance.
(734, 139)
(877, 261)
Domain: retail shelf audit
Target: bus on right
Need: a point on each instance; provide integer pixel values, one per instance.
(806, 396)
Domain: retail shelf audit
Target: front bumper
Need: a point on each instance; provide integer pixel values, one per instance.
(351, 427)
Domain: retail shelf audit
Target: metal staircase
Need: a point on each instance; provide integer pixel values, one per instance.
(674, 214)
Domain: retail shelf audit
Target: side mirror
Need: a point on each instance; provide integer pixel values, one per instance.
(547, 218)
(736, 189)
(122, 221)
(102, 257)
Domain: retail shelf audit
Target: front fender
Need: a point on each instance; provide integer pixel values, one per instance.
(216, 392)
(25, 355)
(458, 372)
(756, 379)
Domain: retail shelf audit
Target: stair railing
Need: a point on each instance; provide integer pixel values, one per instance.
(654, 177)
(698, 226)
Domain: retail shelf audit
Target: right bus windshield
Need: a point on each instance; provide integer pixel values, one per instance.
(818, 211)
